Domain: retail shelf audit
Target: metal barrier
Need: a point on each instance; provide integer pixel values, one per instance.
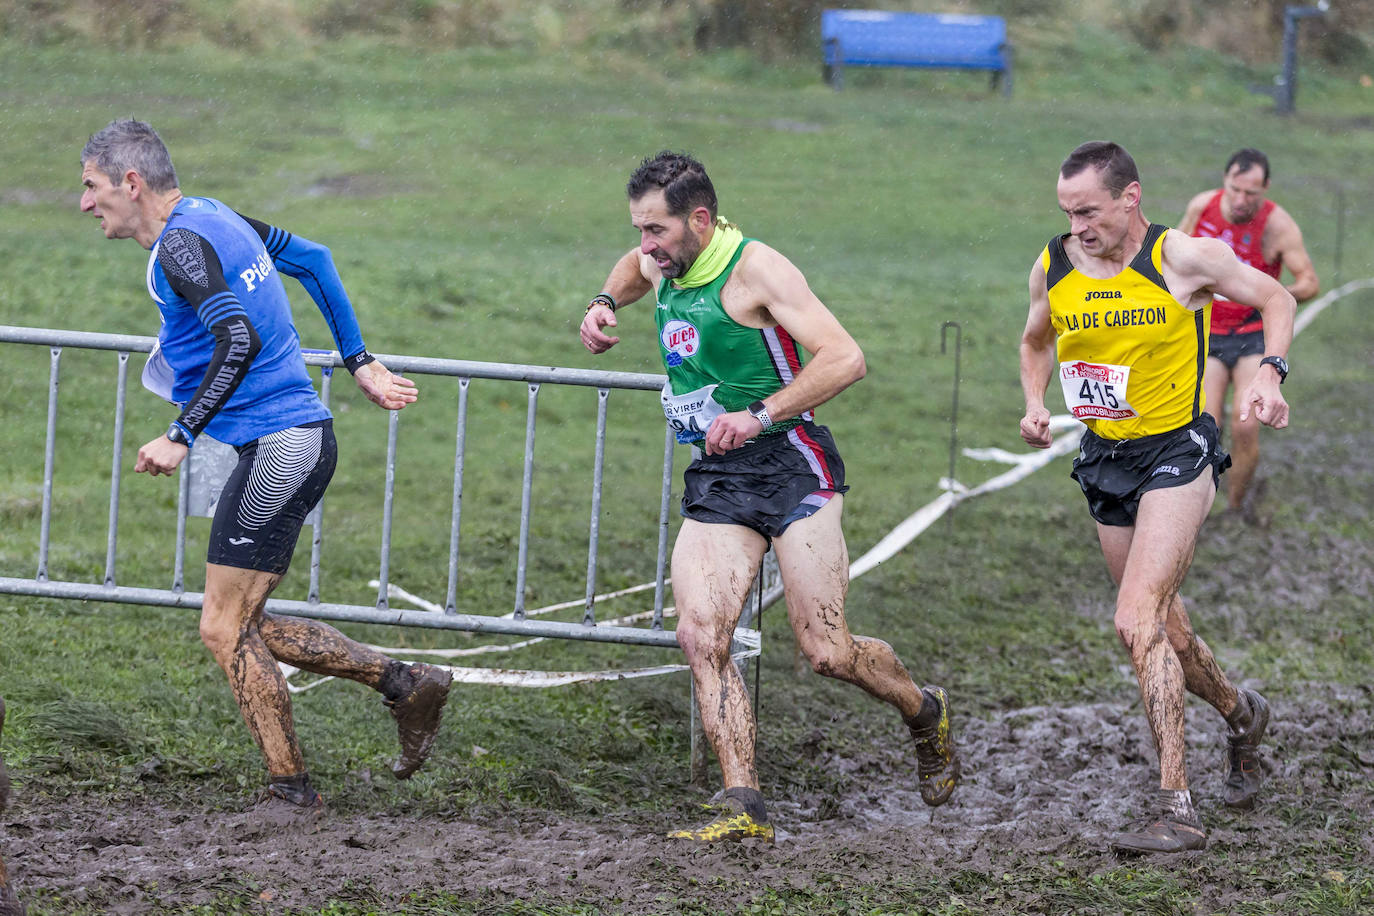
(465, 371)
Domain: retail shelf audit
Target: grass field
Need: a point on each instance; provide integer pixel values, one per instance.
(474, 200)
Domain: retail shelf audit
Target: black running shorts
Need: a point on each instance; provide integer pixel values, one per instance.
(278, 480)
(766, 484)
(1114, 473)
(1229, 348)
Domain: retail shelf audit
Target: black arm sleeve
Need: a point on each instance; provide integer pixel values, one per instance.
(193, 270)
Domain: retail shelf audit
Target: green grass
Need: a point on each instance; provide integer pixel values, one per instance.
(473, 200)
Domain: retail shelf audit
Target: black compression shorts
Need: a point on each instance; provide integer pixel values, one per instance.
(278, 480)
(1229, 348)
(1114, 473)
(766, 484)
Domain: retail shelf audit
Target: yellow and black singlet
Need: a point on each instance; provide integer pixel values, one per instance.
(1130, 356)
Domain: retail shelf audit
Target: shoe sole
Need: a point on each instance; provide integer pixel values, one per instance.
(405, 767)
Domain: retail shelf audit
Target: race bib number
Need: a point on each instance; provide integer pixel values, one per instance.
(1095, 391)
(690, 415)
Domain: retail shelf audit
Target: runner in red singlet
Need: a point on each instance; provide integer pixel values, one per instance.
(1263, 235)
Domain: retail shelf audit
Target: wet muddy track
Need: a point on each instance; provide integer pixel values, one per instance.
(1041, 783)
(1044, 786)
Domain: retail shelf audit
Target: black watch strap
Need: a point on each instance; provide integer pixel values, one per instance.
(1280, 366)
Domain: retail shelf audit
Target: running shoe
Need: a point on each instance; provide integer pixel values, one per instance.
(1166, 833)
(937, 761)
(286, 806)
(740, 814)
(1243, 783)
(417, 716)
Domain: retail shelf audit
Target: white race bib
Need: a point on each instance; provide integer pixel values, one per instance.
(690, 415)
(1096, 391)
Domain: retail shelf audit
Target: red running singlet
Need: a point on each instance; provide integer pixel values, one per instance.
(1245, 240)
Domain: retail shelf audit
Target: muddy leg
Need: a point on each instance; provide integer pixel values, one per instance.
(319, 648)
(1202, 675)
(814, 563)
(1149, 561)
(234, 599)
(1244, 437)
(713, 568)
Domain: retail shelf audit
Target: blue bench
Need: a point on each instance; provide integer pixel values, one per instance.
(870, 38)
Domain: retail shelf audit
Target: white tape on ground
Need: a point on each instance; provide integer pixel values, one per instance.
(927, 515)
(1318, 305)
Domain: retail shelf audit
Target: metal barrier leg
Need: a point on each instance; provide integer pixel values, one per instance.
(459, 450)
(49, 460)
(116, 460)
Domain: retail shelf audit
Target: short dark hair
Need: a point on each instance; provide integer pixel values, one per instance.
(125, 145)
(1243, 160)
(1116, 165)
(682, 179)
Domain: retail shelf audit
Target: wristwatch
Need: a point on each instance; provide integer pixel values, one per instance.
(177, 434)
(760, 413)
(1280, 366)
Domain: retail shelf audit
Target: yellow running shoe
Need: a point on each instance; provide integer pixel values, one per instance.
(937, 762)
(740, 815)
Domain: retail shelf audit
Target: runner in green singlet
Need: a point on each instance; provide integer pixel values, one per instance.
(733, 318)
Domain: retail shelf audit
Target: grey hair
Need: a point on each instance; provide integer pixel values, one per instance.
(127, 145)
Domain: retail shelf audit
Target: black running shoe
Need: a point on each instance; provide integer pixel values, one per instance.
(740, 815)
(417, 716)
(937, 761)
(1243, 783)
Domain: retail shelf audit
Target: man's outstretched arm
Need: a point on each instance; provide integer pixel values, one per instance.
(313, 266)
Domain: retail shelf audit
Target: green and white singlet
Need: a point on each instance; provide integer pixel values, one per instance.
(716, 365)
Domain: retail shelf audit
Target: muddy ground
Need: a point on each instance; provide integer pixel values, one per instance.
(1040, 784)
(1043, 789)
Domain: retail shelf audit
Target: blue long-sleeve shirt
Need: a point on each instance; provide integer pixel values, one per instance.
(227, 333)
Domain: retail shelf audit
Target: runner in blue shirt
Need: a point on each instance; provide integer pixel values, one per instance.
(229, 354)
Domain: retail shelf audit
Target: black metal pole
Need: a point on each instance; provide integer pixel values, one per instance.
(1287, 89)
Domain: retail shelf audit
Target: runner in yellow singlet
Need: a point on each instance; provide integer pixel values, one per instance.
(1118, 315)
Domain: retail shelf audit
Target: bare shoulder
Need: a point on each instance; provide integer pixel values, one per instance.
(761, 260)
(1193, 212)
(1199, 201)
(766, 273)
(1282, 225)
(1189, 254)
